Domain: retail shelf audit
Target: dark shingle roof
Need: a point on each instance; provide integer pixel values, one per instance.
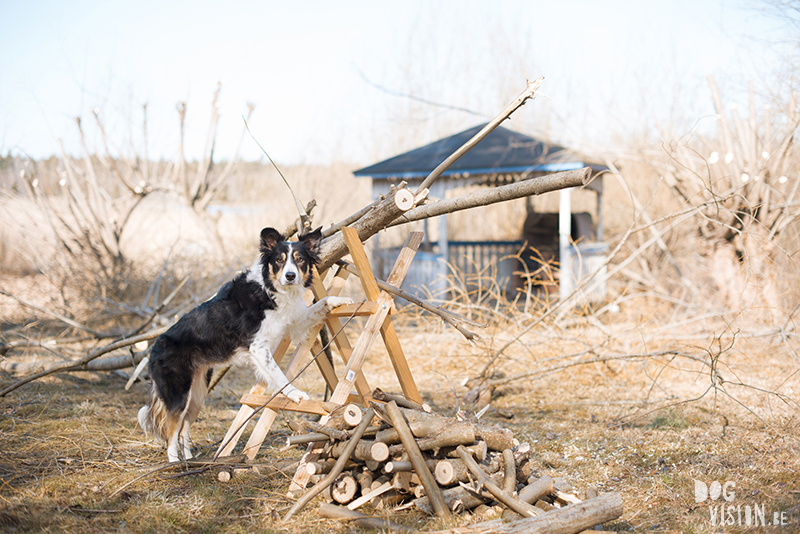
(503, 151)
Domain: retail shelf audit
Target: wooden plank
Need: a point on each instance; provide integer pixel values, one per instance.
(380, 490)
(361, 262)
(360, 351)
(283, 403)
(238, 425)
(390, 339)
(399, 362)
(404, 259)
(260, 431)
(334, 325)
(358, 309)
(325, 367)
(268, 415)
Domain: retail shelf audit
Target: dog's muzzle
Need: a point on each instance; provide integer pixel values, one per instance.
(290, 276)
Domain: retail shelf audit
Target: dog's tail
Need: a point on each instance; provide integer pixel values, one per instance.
(154, 417)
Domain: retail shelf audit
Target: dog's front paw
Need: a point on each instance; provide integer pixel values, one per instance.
(295, 395)
(335, 302)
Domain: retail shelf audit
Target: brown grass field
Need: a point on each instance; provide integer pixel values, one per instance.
(644, 427)
(688, 372)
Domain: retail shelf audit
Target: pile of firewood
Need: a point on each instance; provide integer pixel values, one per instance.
(401, 455)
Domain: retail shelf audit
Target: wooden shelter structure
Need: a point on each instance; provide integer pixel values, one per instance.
(503, 157)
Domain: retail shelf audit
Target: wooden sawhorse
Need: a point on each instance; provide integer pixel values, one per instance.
(378, 306)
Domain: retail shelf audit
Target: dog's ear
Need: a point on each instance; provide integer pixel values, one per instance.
(270, 237)
(312, 241)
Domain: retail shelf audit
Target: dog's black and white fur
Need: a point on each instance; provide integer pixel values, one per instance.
(243, 322)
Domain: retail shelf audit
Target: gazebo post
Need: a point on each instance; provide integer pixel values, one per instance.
(440, 191)
(599, 226)
(564, 244)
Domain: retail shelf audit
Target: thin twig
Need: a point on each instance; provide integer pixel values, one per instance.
(58, 316)
(301, 212)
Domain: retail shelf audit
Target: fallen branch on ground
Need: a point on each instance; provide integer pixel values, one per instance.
(80, 365)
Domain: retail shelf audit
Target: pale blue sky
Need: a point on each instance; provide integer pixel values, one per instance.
(613, 69)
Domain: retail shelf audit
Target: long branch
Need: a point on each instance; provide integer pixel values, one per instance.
(386, 211)
(525, 188)
(80, 364)
(60, 317)
(528, 93)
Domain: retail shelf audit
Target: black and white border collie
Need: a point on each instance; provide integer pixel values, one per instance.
(242, 323)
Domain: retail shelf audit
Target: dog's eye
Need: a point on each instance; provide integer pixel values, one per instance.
(280, 261)
(299, 260)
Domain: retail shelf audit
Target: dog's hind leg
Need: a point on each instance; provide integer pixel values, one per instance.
(173, 432)
(195, 400)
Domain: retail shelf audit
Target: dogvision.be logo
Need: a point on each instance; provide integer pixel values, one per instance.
(724, 513)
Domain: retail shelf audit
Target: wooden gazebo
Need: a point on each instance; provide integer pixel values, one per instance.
(504, 156)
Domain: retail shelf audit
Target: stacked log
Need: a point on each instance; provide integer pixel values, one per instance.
(410, 457)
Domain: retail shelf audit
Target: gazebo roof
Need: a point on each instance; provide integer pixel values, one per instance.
(503, 151)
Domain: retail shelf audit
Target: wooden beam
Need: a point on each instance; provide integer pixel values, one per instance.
(283, 403)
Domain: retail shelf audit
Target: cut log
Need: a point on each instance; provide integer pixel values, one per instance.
(342, 416)
(320, 467)
(566, 498)
(452, 470)
(449, 436)
(291, 441)
(424, 425)
(360, 520)
(509, 472)
(445, 473)
(394, 467)
(479, 450)
(343, 489)
(401, 481)
(370, 495)
(337, 469)
(569, 520)
(365, 481)
(365, 451)
(329, 431)
(536, 490)
(457, 499)
(380, 395)
(496, 438)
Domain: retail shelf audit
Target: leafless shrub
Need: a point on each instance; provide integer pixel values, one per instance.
(741, 186)
(80, 210)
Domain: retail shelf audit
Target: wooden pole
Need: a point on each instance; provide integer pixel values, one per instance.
(522, 508)
(571, 519)
(432, 489)
(529, 92)
(532, 186)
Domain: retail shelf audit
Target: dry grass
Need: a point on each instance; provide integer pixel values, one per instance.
(624, 425)
(689, 371)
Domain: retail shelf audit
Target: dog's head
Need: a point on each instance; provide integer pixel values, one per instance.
(285, 264)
